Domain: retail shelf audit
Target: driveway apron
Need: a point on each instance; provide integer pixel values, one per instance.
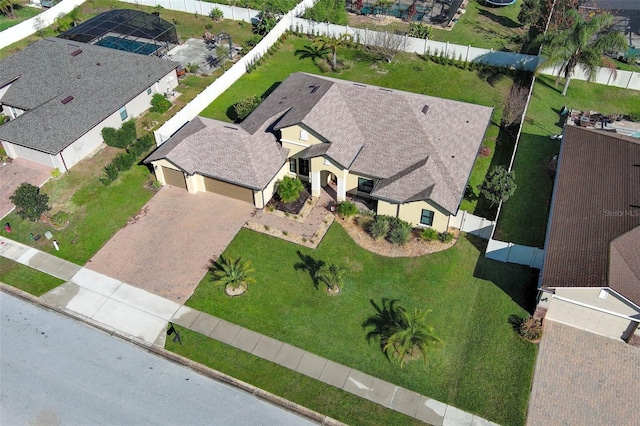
(167, 247)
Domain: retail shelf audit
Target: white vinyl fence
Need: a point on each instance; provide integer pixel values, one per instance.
(607, 76)
(514, 253)
(30, 26)
(472, 224)
(201, 8)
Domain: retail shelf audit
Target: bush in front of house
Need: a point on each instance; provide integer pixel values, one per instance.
(429, 234)
(347, 209)
(445, 237)
(379, 227)
(289, 189)
(399, 231)
(122, 137)
(160, 104)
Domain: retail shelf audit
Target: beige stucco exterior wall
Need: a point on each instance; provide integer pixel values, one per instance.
(411, 212)
(261, 198)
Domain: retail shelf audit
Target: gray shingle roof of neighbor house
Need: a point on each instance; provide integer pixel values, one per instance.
(224, 151)
(383, 133)
(594, 224)
(100, 81)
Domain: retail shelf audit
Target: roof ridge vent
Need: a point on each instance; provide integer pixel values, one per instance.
(76, 52)
(67, 100)
(425, 109)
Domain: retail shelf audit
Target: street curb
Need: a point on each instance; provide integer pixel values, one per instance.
(178, 359)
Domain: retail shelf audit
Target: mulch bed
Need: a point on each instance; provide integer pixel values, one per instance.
(292, 208)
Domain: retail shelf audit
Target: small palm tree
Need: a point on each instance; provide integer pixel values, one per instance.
(332, 275)
(584, 43)
(413, 338)
(313, 52)
(387, 319)
(233, 275)
(333, 43)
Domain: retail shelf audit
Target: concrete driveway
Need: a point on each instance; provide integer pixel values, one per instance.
(167, 247)
(584, 379)
(16, 172)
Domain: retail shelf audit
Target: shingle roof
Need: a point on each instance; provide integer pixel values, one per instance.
(100, 80)
(381, 133)
(596, 200)
(224, 151)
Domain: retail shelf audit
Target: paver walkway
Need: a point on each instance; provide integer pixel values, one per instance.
(143, 317)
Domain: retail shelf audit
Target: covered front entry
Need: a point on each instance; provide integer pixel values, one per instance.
(174, 178)
(228, 189)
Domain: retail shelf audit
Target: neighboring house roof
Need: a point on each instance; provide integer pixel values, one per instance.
(595, 208)
(384, 133)
(224, 151)
(612, 5)
(99, 80)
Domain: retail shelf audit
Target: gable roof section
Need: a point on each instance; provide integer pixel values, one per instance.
(595, 201)
(224, 151)
(624, 265)
(383, 133)
(100, 80)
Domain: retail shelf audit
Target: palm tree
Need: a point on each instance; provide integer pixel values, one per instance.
(6, 8)
(584, 43)
(332, 275)
(413, 338)
(233, 275)
(387, 319)
(333, 43)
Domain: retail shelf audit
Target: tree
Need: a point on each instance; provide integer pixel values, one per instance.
(515, 105)
(68, 21)
(243, 108)
(289, 189)
(530, 11)
(383, 45)
(498, 186)
(413, 338)
(265, 23)
(6, 8)
(332, 275)
(233, 275)
(333, 43)
(385, 321)
(30, 202)
(583, 42)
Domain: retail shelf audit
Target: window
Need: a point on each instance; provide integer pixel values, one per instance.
(149, 91)
(292, 165)
(426, 218)
(365, 185)
(304, 136)
(123, 113)
(303, 167)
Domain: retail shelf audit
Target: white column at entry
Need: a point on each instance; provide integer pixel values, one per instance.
(341, 190)
(315, 184)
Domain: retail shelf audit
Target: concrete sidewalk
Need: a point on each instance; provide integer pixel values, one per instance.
(143, 317)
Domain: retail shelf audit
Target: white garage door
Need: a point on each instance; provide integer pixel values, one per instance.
(587, 319)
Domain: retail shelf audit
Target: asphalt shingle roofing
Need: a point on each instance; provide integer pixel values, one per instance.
(99, 80)
(383, 133)
(594, 230)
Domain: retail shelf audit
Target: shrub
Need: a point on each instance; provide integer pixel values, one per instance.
(192, 68)
(112, 172)
(289, 189)
(216, 14)
(120, 138)
(29, 202)
(124, 161)
(399, 232)
(419, 30)
(429, 234)
(255, 39)
(159, 103)
(366, 218)
(265, 23)
(56, 173)
(109, 135)
(245, 107)
(379, 228)
(445, 237)
(530, 329)
(499, 185)
(332, 11)
(59, 220)
(347, 209)
(324, 65)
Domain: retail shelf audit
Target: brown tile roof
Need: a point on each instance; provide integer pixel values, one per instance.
(224, 151)
(596, 200)
(383, 133)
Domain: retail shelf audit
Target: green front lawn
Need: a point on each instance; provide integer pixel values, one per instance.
(484, 368)
(523, 219)
(296, 387)
(26, 278)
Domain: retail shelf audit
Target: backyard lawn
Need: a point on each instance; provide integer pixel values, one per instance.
(22, 11)
(484, 367)
(26, 278)
(523, 219)
(406, 72)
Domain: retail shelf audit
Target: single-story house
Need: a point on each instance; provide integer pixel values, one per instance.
(591, 274)
(410, 154)
(60, 94)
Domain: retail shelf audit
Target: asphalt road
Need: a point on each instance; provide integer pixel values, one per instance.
(55, 370)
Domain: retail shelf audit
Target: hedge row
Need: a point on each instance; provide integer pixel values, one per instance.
(126, 160)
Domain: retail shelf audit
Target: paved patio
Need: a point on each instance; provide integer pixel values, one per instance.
(584, 379)
(166, 248)
(16, 172)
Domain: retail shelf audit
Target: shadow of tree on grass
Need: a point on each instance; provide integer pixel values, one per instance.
(309, 265)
